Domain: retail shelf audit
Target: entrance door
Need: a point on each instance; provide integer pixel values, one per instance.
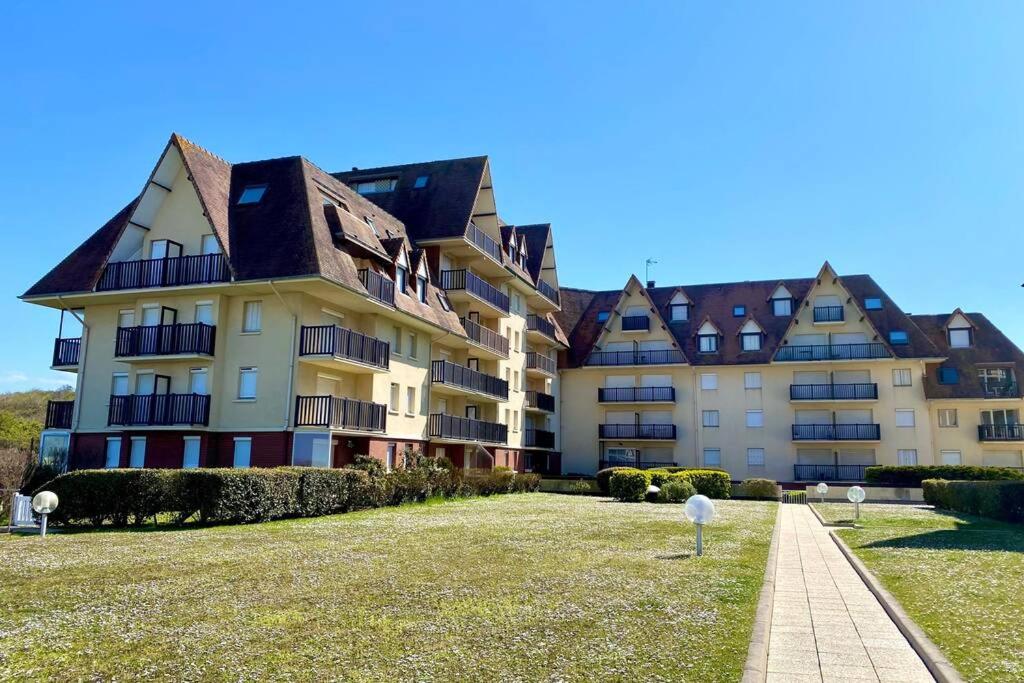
(473, 364)
(471, 412)
(204, 314)
(210, 245)
(197, 381)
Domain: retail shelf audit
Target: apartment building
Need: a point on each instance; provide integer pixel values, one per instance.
(270, 313)
(795, 380)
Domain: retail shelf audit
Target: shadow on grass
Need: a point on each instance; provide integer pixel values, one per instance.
(674, 556)
(969, 534)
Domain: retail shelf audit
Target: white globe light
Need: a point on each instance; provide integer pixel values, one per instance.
(44, 502)
(653, 490)
(856, 494)
(822, 489)
(699, 509)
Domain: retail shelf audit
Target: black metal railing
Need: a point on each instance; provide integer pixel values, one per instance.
(828, 314)
(164, 272)
(341, 342)
(851, 473)
(467, 280)
(377, 286)
(441, 426)
(1008, 432)
(65, 351)
(632, 323)
(635, 394)
(58, 414)
(636, 431)
(548, 292)
(656, 357)
(536, 323)
(484, 241)
(453, 374)
(165, 340)
(538, 438)
(602, 463)
(485, 336)
(832, 352)
(1000, 390)
(837, 432)
(334, 412)
(538, 361)
(833, 392)
(159, 409)
(540, 401)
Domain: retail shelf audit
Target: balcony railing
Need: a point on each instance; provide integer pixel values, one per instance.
(164, 272)
(538, 438)
(1002, 390)
(159, 409)
(548, 292)
(452, 374)
(833, 392)
(333, 412)
(637, 431)
(485, 337)
(837, 432)
(832, 352)
(538, 361)
(441, 426)
(828, 314)
(536, 323)
(379, 287)
(165, 340)
(484, 241)
(58, 414)
(340, 342)
(65, 351)
(829, 472)
(540, 401)
(656, 357)
(467, 280)
(633, 323)
(1009, 432)
(635, 394)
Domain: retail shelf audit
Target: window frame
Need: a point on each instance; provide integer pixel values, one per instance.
(899, 372)
(746, 380)
(899, 338)
(713, 376)
(394, 398)
(760, 418)
(868, 303)
(713, 343)
(245, 198)
(257, 305)
(739, 310)
(904, 412)
(247, 440)
(244, 371)
(947, 412)
(788, 301)
(745, 336)
(707, 417)
(185, 441)
(900, 452)
(753, 451)
(718, 459)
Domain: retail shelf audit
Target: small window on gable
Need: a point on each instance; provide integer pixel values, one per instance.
(960, 337)
(739, 311)
(782, 307)
(873, 303)
(751, 341)
(252, 194)
(421, 182)
(898, 337)
(603, 316)
(421, 289)
(707, 343)
(949, 376)
(679, 312)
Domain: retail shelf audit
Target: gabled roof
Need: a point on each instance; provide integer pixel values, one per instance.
(954, 314)
(537, 237)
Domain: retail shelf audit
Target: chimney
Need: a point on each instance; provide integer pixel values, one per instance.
(650, 284)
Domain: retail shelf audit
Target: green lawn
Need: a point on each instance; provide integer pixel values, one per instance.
(960, 578)
(516, 587)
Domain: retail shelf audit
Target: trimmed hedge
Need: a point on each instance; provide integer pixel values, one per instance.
(676, 491)
(1003, 500)
(710, 483)
(913, 475)
(604, 476)
(760, 489)
(629, 485)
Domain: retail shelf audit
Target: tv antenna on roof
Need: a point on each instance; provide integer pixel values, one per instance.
(647, 269)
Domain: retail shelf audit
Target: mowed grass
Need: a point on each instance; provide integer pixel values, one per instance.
(518, 587)
(961, 578)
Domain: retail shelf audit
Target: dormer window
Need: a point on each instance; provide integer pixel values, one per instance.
(369, 221)
(739, 311)
(949, 376)
(960, 337)
(679, 312)
(402, 276)
(782, 307)
(751, 342)
(375, 186)
(421, 289)
(252, 194)
(707, 343)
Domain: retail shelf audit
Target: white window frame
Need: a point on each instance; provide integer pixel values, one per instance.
(410, 401)
(755, 419)
(716, 461)
(943, 415)
(710, 418)
(777, 302)
(186, 441)
(750, 341)
(106, 453)
(944, 452)
(957, 332)
(709, 381)
(901, 418)
(413, 350)
(247, 440)
(751, 380)
(132, 452)
(252, 326)
(755, 454)
(900, 374)
(243, 372)
(394, 398)
(906, 456)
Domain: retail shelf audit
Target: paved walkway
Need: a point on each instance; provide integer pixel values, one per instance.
(826, 624)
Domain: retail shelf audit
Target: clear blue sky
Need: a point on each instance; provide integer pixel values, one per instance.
(730, 140)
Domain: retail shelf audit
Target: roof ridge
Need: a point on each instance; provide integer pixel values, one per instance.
(407, 165)
(200, 148)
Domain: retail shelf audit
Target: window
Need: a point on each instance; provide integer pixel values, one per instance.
(710, 418)
(515, 420)
(373, 186)
(119, 384)
(421, 182)
(898, 337)
(906, 456)
(396, 340)
(602, 316)
(410, 400)
(421, 289)
(137, 457)
(679, 312)
(904, 418)
(243, 451)
(872, 303)
(401, 277)
(712, 457)
(113, 453)
(393, 403)
(190, 453)
(507, 413)
(755, 418)
(739, 311)
(755, 457)
(204, 313)
(752, 380)
(901, 377)
(389, 458)
(947, 417)
(517, 345)
(960, 337)
(508, 376)
(782, 307)
(707, 343)
(1000, 417)
(311, 449)
(252, 194)
(751, 342)
(126, 318)
(709, 381)
(247, 383)
(373, 226)
(517, 303)
(951, 457)
(949, 376)
(515, 381)
(412, 345)
(998, 382)
(252, 316)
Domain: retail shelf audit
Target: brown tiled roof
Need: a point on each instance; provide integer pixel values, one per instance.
(513, 266)
(890, 318)
(536, 244)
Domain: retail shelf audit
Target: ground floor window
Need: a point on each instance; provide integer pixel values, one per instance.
(243, 451)
(712, 457)
(113, 453)
(389, 463)
(53, 449)
(906, 456)
(190, 456)
(138, 453)
(951, 457)
(311, 449)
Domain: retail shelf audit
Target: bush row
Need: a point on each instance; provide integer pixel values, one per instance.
(913, 475)
(630, 484)
(996, 499)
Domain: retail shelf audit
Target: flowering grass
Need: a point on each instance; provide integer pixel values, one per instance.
(520, 587)
(959, 577)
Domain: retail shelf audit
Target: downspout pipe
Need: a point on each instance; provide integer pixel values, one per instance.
(291, 357)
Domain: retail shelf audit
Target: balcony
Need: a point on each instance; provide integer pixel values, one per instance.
(539, 364)
(179, 339)
(485, 338)
(636, 323)
(459, 379)
(66, 352)
(484, 242)
(538, 400)
(332, 412)
(829, 472)
(828, 314)
(539, 328)
(815, 352)
(637, 432)
(442, 426)
(548, 292)
(833, 392)
(636, 395)
(357, 351)
(837, 432)
(465, 285)
(620, 358)
(538, 438)
(174, 271)
(1000, 390)
(379, 288)
(159, 410)
(58, 414)
(1008, 432)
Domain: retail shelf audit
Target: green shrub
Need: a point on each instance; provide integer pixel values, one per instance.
(759, 489)
(118, 496)
(604, 476)
(913, 475)
(629, 485)
(658, 476)
(487, 483)
(676, 491)
(1003, 500)
(526, 483)
(711, 483)
(580, 488)
(368, 464)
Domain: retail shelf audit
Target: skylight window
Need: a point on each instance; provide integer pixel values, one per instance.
(421, 182)
(739, 311)
(375, 186)
(603, 316)
(898, 337)
(873, 303)
(252, 194)
(369, 221)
